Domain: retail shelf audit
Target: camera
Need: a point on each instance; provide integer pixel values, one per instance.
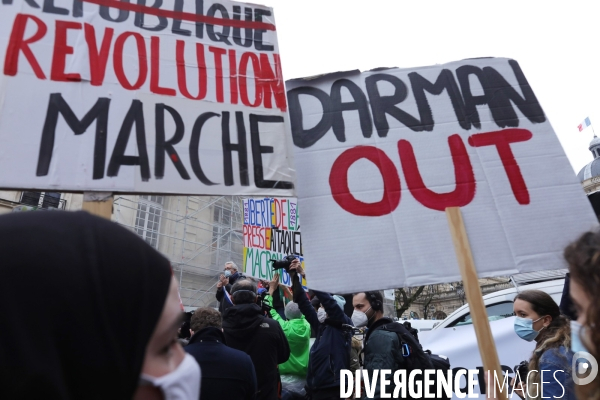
(522, 369)
(262, 293)
(283, 264)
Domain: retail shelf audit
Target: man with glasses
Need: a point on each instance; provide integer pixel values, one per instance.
(227, 279)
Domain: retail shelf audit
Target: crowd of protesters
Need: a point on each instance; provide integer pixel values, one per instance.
(108, 323)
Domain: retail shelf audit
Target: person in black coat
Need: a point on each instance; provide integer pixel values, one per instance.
(227, 279)
(330, 352)
(247, 329)
(226, 373)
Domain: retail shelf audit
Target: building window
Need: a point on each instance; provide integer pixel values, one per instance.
(147, 219)
(43, 199)
(221, 238)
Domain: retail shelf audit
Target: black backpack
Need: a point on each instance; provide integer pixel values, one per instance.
(413, 354)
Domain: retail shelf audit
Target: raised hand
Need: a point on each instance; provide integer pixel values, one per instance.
(274, 284)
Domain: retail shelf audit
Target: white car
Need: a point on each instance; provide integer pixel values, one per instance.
(499, 304)
(455, 337)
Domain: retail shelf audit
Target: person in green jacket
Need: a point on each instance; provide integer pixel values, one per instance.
(297, 332)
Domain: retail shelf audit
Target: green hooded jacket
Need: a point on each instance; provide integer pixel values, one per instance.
(297, 332)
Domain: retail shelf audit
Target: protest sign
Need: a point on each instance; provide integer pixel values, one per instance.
(380, 155)
(271, 232)
(174, 97)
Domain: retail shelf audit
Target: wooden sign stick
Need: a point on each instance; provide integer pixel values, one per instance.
(487, 346)
(98, 203)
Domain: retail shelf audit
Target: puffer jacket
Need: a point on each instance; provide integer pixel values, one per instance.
(330, 352)
(297, 332)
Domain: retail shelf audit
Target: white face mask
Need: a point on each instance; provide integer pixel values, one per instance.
(181, 384)
(576, 333)
(359, 318)
(321, 315)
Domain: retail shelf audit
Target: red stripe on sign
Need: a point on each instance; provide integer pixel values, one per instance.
(184, 16)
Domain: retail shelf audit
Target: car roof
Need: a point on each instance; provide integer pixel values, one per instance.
(550, 287)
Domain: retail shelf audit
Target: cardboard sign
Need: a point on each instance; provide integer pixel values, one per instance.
(271, 232)
(380, 155)
(177, 97)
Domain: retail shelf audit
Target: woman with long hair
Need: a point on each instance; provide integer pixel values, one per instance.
(583, 257)
(539, 318)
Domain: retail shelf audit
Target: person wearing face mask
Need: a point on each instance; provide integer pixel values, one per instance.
(538, 318)
(330, 353)
(382, 348)
(583, 257)
(116, 287)
(227, 279)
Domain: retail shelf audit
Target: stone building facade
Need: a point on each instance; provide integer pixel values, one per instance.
(198, 234)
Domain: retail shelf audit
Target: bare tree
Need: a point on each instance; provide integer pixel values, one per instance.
(430, 292)
(405, 297)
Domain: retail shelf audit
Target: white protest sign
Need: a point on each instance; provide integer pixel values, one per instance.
(177, 97)
(380, 155)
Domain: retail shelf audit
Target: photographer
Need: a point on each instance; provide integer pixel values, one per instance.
(330, 352)
(538, 318)
(276, 299)
(296, 330)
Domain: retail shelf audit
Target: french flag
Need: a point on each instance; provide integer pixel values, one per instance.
(584, 124)
(227, 296)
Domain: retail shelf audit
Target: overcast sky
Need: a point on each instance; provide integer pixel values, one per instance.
(556, 44)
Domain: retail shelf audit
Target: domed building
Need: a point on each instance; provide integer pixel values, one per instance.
(589, 176)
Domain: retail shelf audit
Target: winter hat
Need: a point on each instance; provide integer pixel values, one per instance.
(340, 300)
(292, 311)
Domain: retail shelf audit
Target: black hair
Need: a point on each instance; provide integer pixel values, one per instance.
(375, 299)
(244, 291)
(184, 331)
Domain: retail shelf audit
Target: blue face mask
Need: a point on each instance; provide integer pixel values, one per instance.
(227, 273)
(524, 328)
(576, 343)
